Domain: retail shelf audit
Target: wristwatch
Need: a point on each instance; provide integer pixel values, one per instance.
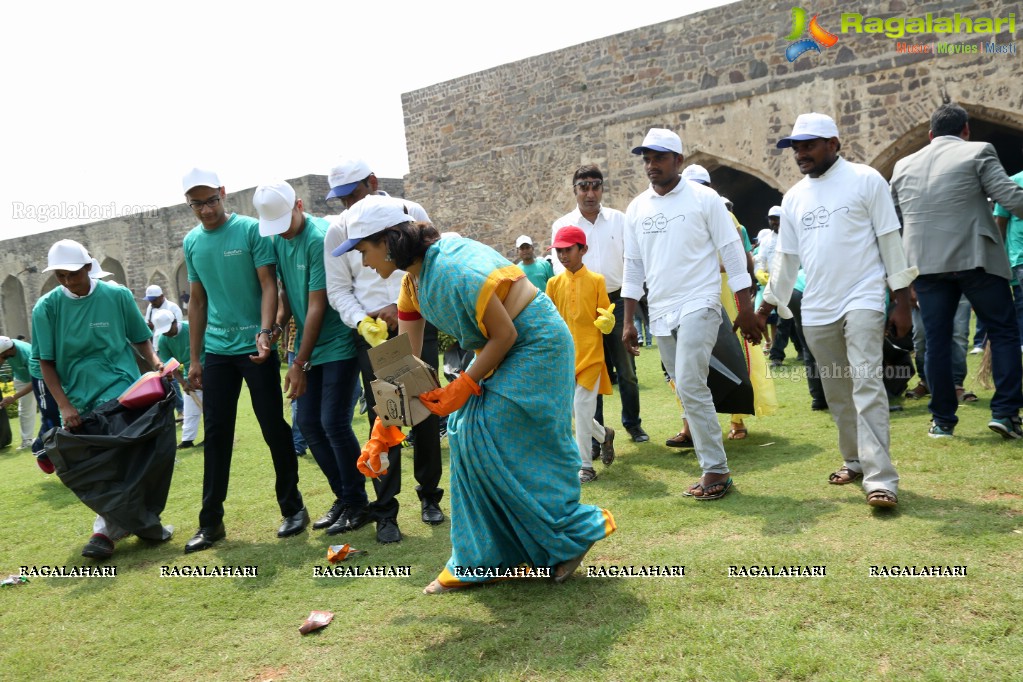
(306, 366)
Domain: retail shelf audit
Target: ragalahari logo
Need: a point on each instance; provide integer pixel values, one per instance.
(818, 36)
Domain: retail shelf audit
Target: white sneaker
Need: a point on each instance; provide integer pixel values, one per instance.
(977, 350)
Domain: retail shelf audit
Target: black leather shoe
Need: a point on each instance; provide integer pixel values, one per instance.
(387, 531)
(351, 519)
(331, 517)
(819, 405)
(185, 444)
(98, 547)
(205, 537)
(294, 524)
(432, 513)
(638, 434)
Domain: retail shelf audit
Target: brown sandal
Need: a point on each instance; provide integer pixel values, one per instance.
(844, 476)
(737, 433)
(882, 498)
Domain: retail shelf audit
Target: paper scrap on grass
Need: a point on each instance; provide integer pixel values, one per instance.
(315, 621)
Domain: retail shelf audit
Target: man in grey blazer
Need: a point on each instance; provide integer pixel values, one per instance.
(949, 233)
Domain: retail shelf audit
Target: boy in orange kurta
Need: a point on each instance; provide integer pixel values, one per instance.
(581, 298)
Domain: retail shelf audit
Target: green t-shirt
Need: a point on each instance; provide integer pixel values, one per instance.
(747, 245)
(88, 340)
(179, 348)
(1014, 231)
(300, 267)
(224, 261)
(538, 272)
(21, 361)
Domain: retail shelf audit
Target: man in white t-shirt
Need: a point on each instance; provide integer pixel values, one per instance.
(674, 233)
(840, 222)
(359, 294)
(157, 301)
(604, 229)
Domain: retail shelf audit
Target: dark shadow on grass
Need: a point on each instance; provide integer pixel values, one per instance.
(954, 516)
(533, 629)
(781, 515)
(766, 450)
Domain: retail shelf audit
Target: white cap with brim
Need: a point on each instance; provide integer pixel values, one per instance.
(69, 255)
(660, 140)
(524, 239)
(346, 176)
(374, 213)
(5, 344)
(162, 321)
(97, 272)
(274, 203)
(808, 127)
(696, 173)
(774, 212)
(153, 292)
(197, 177)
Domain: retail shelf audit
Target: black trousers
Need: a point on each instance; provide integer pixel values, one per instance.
(222, 384)
(426, 436)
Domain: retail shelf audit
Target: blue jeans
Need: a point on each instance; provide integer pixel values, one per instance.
(296, 432)
(325, 418)
(1017, 297)
(991, 297)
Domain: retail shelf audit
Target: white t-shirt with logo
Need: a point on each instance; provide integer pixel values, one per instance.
(832, 224)
(676, 238)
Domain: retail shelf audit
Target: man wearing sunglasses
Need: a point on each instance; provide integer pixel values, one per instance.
(604, 228)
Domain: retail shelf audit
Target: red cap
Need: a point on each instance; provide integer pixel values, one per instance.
(569, 236)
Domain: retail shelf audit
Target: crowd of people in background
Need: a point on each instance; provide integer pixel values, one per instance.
(845, 266)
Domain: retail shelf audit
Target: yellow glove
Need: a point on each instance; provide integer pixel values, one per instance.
(605, 321)
(762, 277)
(374, 331)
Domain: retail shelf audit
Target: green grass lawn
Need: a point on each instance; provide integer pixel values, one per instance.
(960, 504)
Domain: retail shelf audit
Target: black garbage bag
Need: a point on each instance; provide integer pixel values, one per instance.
(5, 429)
(728, 378)
(119, 462)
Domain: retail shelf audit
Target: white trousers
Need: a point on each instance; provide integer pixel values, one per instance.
(190, 425)
(586, 427)
(26, 413)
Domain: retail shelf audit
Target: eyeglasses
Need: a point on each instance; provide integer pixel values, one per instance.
(587, 185)
(198, 205)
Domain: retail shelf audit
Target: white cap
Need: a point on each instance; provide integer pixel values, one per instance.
(774, 212)
(197, 177)
(696, 173)
(96, 272)
(153, 291)
(162, 321)
(523, 239)
(274, 203)
(67, 254)
(809, 126)
(345, 177)
(373, 214)
(660, 140)
(449, 235)
(5, 344)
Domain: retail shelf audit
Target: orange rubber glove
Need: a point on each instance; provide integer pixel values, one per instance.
(373, 461)
(444, 401)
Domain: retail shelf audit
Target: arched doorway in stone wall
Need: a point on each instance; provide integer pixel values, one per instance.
(15, 313)
(985, 126)
(182, 287)
(49, 285)
(751, 196)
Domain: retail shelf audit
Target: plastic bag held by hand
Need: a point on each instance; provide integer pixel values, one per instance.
(374, 331)
(605, 321)
(373, 461)
(444, 401)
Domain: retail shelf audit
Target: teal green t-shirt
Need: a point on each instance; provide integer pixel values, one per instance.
(88, 340)
(300, 267)
(1014, 231)
(538, 272)
(747, 245)
(224, 261)
(21, 361)
(179, 348)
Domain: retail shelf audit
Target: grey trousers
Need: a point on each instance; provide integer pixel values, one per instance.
(686, 357)
(848, 353)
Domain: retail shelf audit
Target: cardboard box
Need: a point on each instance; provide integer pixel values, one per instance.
(400, 378)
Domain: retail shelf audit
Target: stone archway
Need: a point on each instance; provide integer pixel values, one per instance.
(751, 196)
(49, 285)
(181, 286)
(114, 267)
(16, 322)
